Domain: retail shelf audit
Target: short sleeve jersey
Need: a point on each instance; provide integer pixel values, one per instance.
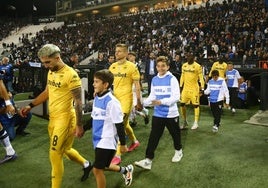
(124, 75)
(60, 84)
(106, 113)
(222, 68)
(232, 77)
(191, 75)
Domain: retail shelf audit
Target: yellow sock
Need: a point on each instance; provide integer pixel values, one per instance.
(183, 112)
(196, 114)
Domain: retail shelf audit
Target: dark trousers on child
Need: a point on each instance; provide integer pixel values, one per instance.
(216, 109)
(157, 130)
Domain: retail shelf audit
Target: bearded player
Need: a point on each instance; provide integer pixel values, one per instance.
(65, 112)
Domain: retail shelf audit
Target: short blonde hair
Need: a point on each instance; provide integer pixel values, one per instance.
(120, 45)
(48, 50)
(163, 59)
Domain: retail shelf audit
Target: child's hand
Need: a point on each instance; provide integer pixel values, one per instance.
(156, 102)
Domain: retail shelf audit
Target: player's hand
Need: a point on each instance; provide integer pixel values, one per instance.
(201, 93)
(10, 109)
(123, 148)
(24, 111)
(139, 106)
(79, 131)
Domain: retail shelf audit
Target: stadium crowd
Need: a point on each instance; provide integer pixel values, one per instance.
(238, 30)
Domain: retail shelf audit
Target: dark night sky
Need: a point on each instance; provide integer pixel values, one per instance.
(23, 8)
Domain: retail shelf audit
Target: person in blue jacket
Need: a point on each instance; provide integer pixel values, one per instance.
(17, 120)
(6, 69)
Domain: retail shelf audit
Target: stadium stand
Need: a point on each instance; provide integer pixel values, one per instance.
(236, 29)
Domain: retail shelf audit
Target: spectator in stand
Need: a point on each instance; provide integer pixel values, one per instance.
(101, 62)
(232, 78)
(150, 70)
(111, 59)
(73, 61)
(228, 29)
(175, 66)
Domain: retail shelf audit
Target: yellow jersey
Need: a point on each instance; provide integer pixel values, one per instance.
(221, 67)
(191, 76)
(124, 76)
(60, 84)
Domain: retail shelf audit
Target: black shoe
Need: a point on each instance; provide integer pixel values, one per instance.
(22, 133)
(133, 124)
(86, 172)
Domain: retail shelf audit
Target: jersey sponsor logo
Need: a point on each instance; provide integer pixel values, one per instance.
(189, 70)
(220, 68)
(230, 76)
(120, 75)
(162, 90)
(215, 87)
(97, 113)
(53, 83)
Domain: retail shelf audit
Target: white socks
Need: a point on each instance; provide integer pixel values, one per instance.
(6, 143)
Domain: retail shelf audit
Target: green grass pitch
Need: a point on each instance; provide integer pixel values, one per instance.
(235, 157)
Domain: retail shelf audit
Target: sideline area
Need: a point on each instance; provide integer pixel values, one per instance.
(260, 118)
